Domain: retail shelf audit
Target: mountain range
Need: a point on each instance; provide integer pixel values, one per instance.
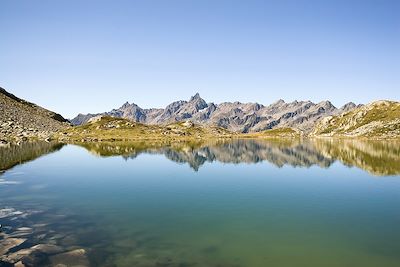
(233, 116)
(196, 119)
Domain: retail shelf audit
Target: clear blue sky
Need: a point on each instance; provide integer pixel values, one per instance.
(91, 56)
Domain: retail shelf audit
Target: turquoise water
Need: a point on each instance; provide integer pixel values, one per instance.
(244, 203)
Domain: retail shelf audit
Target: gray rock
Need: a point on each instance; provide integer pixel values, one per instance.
(33, 256)
(8, 243)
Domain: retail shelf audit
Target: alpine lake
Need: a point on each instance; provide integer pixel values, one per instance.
(238, 203)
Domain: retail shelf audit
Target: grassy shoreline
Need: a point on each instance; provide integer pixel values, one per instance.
(110, 129)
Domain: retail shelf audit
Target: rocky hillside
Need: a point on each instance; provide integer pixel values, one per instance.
(380, 119)
(236, 116)
(20, 119)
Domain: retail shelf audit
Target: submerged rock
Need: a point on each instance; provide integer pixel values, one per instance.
(21, 232)
(48, 249)
(69, 240)
(9, 243)
(17, 256)
(8, 212)
(33, 256)
(76, 257)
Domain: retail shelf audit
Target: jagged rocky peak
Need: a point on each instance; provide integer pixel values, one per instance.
(125, 105)
(327, 105)
(174, 106)
(199, 103)
(128, 105)
(256, 107)
(196, 96)
(129, 111)
(279, 102)
(276, 105)
(348, 106)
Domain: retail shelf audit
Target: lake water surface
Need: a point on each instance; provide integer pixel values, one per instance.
(239, 203)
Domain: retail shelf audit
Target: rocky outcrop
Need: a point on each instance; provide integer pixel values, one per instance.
(21, 120)
(380, 119)
(236, 116)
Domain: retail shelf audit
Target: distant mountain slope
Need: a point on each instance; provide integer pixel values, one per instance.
(106, 128)
(21, 119)
(380, 119)
(236, 116)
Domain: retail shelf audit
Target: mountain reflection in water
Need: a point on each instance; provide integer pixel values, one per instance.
(377, 157)
(17, 154)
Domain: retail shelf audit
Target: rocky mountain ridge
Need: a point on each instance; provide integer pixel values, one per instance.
(233, 116)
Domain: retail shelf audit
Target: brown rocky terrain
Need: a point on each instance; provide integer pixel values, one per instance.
(21, 120)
